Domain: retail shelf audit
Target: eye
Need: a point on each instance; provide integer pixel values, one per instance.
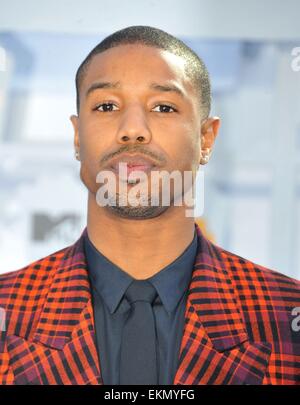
(165, 108)
(106, 107)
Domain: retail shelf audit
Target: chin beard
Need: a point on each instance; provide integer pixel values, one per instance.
(138, 212)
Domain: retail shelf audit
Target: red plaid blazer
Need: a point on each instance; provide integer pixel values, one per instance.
(239, 322)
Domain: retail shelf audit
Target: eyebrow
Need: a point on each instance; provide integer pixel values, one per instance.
(102, 85)
(167, 88)
(172, 88)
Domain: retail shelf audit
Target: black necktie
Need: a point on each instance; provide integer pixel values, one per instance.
(138, 360)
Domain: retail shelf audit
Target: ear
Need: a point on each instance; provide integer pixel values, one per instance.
(74, 120)
(209, 131)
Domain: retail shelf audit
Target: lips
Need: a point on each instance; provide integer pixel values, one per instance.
(132, 163)
(133, 168)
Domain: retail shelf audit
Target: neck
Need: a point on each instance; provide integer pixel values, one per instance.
(141, 248)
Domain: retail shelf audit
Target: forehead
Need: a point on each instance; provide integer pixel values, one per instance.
(137, 64)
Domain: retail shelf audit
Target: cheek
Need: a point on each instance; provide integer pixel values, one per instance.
(183, 147)
(93, 141)
(192, 142)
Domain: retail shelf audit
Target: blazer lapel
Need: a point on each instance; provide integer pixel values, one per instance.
(62, 348)
(215, 348)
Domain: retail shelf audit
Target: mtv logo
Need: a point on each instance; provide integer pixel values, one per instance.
(62, 228)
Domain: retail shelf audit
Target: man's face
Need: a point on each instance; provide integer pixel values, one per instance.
(137, 112)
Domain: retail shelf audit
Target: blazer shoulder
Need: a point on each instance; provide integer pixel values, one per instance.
(244, 271)
(18, 284)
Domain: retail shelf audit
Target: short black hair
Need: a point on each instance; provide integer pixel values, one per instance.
(157, 38)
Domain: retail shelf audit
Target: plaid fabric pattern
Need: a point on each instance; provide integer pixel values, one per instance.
(238, 322)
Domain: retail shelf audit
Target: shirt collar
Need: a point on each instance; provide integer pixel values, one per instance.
(111, 281)
(173, 280)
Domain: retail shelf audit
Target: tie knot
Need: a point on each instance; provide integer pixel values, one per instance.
(141, 290)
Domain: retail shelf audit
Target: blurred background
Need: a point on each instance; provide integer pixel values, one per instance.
(252, 182)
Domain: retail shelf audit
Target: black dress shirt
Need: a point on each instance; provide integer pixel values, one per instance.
(108, 284)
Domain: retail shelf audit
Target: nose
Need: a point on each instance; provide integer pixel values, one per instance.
(134, 127)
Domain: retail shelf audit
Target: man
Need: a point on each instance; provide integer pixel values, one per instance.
(143, 297)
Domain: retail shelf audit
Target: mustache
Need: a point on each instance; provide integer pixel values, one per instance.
(134, 149)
